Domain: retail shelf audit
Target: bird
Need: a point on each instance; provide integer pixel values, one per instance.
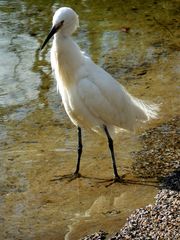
(92, 98)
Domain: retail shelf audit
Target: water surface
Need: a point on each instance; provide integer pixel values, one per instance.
(137, 43)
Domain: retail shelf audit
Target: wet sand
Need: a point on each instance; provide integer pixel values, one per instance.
(158, 220)
(138, 44)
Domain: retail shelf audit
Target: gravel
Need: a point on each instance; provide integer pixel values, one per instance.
(160, 221)
(160, 151)
(101, 235)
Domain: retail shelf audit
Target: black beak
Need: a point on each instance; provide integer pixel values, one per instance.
(51, 33)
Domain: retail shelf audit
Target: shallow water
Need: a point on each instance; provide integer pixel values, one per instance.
(138, 45)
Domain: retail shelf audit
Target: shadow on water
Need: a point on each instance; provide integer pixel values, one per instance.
(145, 182)
(137, 42)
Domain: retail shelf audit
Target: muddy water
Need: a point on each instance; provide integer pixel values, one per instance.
(138, 44)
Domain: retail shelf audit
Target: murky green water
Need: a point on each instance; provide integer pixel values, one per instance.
(137, 43)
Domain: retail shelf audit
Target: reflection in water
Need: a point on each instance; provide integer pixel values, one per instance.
(38, 142)
(18, 85)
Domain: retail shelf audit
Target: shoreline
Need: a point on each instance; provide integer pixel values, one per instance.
(158, 220)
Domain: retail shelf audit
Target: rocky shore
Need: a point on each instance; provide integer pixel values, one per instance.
(162, 219)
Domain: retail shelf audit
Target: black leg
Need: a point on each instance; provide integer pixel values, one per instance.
(76, 174)
(111, 147)
(80, 146)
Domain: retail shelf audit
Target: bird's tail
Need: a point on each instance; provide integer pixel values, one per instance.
(138, 111)
(144, 111)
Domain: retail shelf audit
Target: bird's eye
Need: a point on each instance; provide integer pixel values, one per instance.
(59, 25)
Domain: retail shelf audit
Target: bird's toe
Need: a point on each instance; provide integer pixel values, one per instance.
(119, 179)
(69, 177)
(75, 175)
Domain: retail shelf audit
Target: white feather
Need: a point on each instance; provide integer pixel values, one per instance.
(92, 97)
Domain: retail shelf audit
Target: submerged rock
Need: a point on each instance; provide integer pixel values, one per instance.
(101, 235)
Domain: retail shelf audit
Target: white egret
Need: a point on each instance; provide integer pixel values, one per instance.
(92, 98)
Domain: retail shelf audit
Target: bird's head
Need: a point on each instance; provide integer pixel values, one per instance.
(65, 20)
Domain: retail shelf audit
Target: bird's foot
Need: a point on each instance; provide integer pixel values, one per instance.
(117, 179)
(70, 177)
(75, 175)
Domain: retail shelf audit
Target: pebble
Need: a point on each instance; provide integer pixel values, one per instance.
(101, 235)
(160, 221)
(160, 151)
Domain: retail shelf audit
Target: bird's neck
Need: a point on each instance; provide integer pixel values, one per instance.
(69, 58)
